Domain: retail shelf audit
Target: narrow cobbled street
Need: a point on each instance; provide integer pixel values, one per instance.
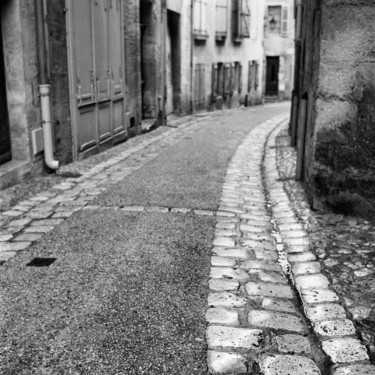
(187, 250)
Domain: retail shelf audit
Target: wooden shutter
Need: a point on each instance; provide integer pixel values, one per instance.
(256, 75)
(227, 77)
(221, 19)
(239, 77)
(215, 81)
(200, 19)
(220, 79)
(250, 77)
(199, 87)
(236, 20)
(284, 22)
(245, 19)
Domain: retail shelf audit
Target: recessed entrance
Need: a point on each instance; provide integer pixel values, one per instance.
(272, 76)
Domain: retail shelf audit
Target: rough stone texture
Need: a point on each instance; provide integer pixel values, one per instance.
(224, 241)
(312, 281)
(222, 316)
(217, 261)
(231, 253)
(289, 365)
(355, 370)
(226, 299)
(345, 350)
(275, 320)
(327, 311)
(318, 295)
(262, 265)
(277, 304)
(335, 328)
(301, 257)
(226, 363)
(306, 268)
(231, 338)
(14, 246)
(269, 290)
(222, 285)
(293, 344)
(229, 273)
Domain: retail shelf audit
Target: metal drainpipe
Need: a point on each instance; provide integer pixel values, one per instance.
(44, 89)
(192, 58)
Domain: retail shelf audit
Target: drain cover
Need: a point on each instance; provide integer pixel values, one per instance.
(41, 262)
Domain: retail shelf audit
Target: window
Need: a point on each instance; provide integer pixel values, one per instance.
(241, 20)
(221, 19)
(199, 86)
(274, 20)
(200, 19)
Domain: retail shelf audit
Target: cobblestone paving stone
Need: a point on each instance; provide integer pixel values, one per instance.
(24, 221)
(265, 277)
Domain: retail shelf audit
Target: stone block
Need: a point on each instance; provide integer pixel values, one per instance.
(266, 255)
(269, 290)
(217, 261)
(226, 363)
(312, 281)
(355, 370)
(288, 365)
(276, 304)
(306, 268)
(224, 242)
(226, 299)
(333, 328)
(293, 344)
(221, 285)
(237, 253)
(344, 350)
(229, 273)
(269, 277)
(233, 338)
(261, 265)
(257, 245)
(222, 316)
(14, 246)
(318, 295)
(326, 311)
(38, 229)
(275, 320)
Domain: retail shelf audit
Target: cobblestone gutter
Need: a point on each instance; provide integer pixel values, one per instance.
(271, 310)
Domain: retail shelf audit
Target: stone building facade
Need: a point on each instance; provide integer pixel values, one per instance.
(80, 76)
(279, 49)
(333, 112)
(227, 53)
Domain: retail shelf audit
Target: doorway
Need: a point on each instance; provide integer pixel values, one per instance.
(272, 76)
(173, 63)
(5, 145)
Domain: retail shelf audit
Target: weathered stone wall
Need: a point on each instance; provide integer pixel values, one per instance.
(339, 156)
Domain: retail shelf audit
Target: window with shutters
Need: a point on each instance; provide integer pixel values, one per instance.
(221, 19)
(241, 20)
(274, 20)
(284, 22)
(199, 87)
(200, 19)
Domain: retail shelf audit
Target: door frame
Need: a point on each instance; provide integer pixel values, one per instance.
(74, 108)
(274, 58)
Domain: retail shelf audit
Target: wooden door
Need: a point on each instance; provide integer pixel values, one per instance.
(97, 68)
(272, 76)
(5, 146)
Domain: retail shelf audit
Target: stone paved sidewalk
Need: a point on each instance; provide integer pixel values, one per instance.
(270, 308)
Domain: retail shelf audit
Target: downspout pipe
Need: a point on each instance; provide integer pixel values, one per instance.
(44, 88)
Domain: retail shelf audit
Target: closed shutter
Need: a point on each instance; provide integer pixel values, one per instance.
(220, 79)
(215, 82)
(239, 77)
(284, 22)
(221, 19)
(200, 19)
(245, 19)
(250, 79)
(256, 75)
(227, 77)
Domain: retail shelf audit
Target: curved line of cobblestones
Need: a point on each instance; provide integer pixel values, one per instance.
(256, 323)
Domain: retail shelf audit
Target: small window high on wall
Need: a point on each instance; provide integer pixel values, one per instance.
(200, 19)
(241, 20)
(221, 19)
(277, 20)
